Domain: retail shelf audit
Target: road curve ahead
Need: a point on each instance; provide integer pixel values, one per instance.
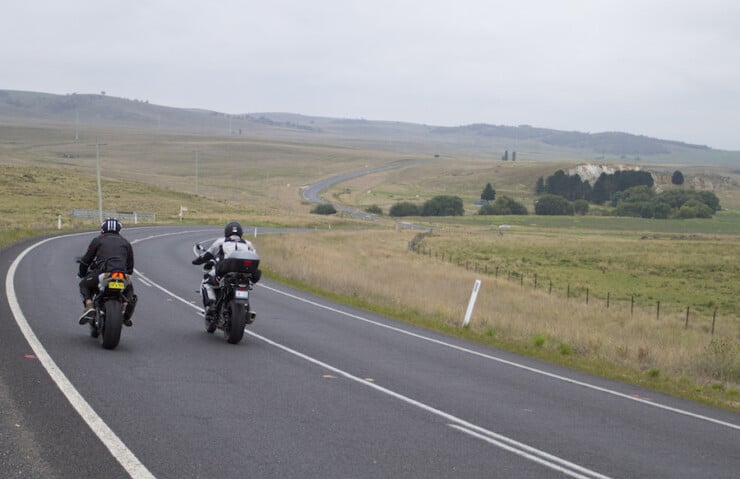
(315, 390)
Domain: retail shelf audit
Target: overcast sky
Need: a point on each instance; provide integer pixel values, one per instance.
(662, 68)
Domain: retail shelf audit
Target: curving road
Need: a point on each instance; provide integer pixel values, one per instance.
(312, 193)
(314, 390)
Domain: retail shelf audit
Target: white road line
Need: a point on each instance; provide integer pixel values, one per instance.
(533, 454)
(118, 449)
(523, 450)
(510, 363)
(138, 471)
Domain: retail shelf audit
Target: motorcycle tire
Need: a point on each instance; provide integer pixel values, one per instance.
(112, 324)
(234, 328)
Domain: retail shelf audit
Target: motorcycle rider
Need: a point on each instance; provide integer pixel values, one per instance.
(107, 252)
(220, 248)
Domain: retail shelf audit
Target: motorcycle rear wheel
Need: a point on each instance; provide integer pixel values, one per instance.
(234, 328)
(112, 324)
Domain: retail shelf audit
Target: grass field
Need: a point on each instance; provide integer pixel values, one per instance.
(45, 173)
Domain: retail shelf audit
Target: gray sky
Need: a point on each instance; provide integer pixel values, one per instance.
(662, 68)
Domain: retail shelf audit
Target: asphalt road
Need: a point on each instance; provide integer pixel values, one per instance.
(314, 390)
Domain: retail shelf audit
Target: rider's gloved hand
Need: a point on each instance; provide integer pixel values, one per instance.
(203, 258)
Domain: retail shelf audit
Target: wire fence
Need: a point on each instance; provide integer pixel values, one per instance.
(133, 217)
(575, 293)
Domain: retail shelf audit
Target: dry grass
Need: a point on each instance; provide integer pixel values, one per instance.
(378, 269)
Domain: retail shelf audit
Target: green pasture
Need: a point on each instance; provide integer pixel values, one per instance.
(679, 269)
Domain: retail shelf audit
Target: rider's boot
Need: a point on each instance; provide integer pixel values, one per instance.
(128, 310)
(210, 308)
(88, 314)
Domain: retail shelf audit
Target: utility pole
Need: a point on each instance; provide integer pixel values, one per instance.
(97, 173)
(196, 172)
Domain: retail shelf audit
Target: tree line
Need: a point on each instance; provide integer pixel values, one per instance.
(628, 192)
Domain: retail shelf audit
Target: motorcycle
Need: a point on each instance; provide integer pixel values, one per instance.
(110, 304)
(233, 281)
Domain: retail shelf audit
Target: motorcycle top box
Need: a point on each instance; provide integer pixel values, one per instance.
(238, 262)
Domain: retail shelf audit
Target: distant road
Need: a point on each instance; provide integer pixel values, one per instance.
(311, 193)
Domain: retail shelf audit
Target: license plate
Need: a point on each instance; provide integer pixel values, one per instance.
(115, 285)
(242, 294)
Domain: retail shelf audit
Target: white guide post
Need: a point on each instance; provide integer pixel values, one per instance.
(471, 303)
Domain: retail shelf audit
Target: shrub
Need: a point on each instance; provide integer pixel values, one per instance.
(503, 206)
(553, 205)
(404, 208)
(324, 209)
(374, 209)
(580, 207)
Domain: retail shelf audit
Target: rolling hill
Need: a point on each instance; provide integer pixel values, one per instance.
(477, 140)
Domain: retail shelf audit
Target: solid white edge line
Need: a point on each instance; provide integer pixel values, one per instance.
(510, 363)
(117, 448)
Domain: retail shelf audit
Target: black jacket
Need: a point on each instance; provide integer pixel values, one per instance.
(111, 252)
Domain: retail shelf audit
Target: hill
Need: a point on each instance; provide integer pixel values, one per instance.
(478, 140)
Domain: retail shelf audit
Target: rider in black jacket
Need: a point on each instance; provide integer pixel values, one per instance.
(107, 252)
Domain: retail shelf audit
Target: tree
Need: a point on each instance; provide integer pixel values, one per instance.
(539, 187)
(404, 208)
(503, 206)
(553, 205)
(607, 185)
(443, 206)
(489, 194)
(677, 178)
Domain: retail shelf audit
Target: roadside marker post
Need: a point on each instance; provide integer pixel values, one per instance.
(471, 303)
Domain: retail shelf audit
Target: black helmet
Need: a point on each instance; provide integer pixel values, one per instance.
(233, 228)
(111, 225)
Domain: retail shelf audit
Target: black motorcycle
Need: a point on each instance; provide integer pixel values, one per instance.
(110, 303)
(233, 280)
